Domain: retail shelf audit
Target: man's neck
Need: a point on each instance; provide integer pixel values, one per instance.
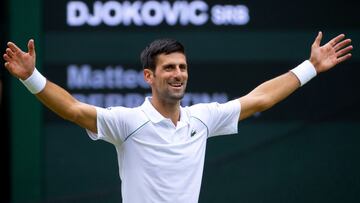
(167, 109)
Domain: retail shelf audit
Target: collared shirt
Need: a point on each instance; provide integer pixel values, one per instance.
(159, 161)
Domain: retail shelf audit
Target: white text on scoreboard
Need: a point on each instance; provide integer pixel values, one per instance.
(154, 13)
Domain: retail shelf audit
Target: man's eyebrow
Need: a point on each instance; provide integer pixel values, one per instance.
(172, 64)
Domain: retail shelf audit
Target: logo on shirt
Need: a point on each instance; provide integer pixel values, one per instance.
(193, 132)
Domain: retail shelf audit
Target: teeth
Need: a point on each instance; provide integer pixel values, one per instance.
(176, 84)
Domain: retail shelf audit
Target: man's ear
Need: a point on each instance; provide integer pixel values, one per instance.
(148, 76)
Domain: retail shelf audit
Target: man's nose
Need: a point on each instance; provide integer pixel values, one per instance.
(177, 71)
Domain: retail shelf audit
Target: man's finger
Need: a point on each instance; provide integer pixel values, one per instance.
(7, 65)
(337, 39)
(343, 58)
(31, 47)
(317, 40)
(10, 53)
(6, 57)
(342, 44)
(344, 51)
(13, 47)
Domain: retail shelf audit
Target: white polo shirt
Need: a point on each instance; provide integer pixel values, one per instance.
(158, 161)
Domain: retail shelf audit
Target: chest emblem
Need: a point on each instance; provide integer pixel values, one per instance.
(193, 132)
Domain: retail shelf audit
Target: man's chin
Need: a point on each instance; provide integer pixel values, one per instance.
(177, 96)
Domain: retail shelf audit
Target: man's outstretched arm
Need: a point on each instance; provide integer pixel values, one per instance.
(322, 58)
(22, 65)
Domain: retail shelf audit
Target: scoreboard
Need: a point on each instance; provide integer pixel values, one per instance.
(92, 49)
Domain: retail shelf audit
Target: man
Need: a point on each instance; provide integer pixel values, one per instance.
(161, 145)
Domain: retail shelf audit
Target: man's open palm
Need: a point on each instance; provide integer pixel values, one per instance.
(20, 64)
(327, 56)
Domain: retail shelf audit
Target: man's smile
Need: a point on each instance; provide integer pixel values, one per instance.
(176, 84)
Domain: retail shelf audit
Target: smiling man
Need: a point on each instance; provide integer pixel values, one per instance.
(160, 145)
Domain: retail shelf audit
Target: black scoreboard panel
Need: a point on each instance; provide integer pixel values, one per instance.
(182, 15)
(92, 48)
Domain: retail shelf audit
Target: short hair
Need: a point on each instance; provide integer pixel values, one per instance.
(149, 55)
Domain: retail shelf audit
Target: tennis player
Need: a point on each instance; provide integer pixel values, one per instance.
(161, 145)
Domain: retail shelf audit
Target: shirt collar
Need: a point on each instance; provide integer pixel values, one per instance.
(156, 117)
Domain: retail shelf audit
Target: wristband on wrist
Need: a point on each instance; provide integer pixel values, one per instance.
(35, 83)
(304, 72)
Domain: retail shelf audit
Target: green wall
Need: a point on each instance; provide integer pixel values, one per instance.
(26, 133)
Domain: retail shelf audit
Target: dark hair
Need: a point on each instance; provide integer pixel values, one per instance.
(157, 47)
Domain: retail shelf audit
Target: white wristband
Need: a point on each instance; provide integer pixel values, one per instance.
(35, 83)
(304, 72)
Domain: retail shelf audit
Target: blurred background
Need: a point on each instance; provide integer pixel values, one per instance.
(305, 149)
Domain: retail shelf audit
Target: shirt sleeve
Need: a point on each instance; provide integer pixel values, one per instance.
(220, 119)
(111, 125)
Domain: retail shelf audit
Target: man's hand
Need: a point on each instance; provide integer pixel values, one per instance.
(327, 56)
(19, 63)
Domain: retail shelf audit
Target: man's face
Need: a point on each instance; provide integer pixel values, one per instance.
(168, 82)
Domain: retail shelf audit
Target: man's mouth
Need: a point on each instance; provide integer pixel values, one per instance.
(176, 84)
